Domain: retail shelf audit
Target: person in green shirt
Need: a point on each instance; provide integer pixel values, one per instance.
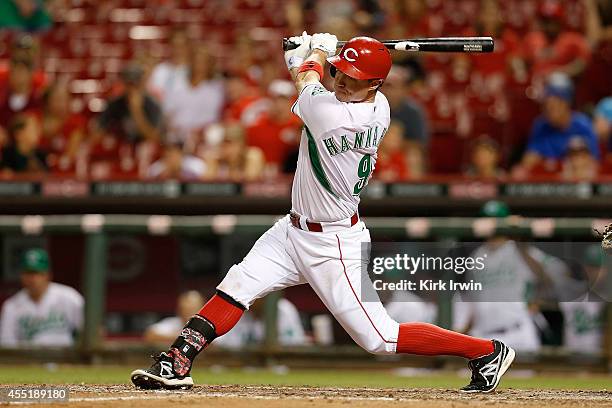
(24, 15)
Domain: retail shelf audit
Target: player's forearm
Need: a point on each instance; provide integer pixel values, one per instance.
(302, 79)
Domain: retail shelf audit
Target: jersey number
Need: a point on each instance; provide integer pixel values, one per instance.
(363, 171)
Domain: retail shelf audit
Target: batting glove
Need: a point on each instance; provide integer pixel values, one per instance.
(295, 57)
(325, 42)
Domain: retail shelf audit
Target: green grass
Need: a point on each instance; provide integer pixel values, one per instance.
(323, 378)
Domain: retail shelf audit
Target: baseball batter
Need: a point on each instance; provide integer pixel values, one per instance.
(319, 242)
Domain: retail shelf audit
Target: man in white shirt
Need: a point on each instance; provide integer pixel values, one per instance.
(43, 313)
(196, 102)
(171, 74)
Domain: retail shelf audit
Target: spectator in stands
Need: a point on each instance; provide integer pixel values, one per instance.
(277, 131)
(507, 44)
(165, 330)
(26, 15)
(62, 131)
(23, 154)
(133, 116)
(18, 94)
(233, 159)
(602, 121)
(25, 47)
(43, 313)
(553, 130)
(485, 156)
(176, 164)
(579, 163)
(243, 101)
(596, 81)
(196, 104)
(172, 74)
(404, 109)
(553, 49)
(393, 156)
(412, 19)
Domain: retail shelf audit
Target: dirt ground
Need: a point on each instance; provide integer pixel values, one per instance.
(229, 396)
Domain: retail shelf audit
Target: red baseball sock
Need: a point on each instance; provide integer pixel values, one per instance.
(223, 312)
(429, 340)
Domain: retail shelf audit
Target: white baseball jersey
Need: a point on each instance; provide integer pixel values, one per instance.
(337, 152)
(506, 276)
(52, 321)
(583, 326)
(336, 160)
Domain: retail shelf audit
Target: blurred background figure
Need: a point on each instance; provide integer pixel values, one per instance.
(243, 100)
(602, 123)
(511, 271)
(584, 318)
(43, 313)
(550, 48)
(197, 102)
(19, 94)
(404, 109)
(558, 124)
(485, 158)
(596, 80)
(134, 116)
(187, 304)
(176, 164)
(251, 328)
(277, 130)
(172, 74)
(233, 159)
(393, 162)
(63, 132)
(579, 163)
(26, 15)
(23, 154)
(507, 44)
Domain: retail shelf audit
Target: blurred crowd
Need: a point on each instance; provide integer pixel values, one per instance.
(198, 90)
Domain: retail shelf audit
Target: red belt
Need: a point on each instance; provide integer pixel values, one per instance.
(316, 226)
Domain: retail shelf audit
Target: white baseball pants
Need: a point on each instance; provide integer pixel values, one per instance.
(330, 262)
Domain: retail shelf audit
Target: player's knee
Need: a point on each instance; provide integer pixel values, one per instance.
(234, 285)
(377, 346)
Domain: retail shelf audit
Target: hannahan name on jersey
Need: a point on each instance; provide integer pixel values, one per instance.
(363, 140)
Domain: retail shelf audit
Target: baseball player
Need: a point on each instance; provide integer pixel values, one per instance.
(319, 242)
(43, 313)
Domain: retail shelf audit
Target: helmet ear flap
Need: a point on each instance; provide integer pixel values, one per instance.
(332, 71)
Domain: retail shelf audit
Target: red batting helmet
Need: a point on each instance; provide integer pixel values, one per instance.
(363, 58)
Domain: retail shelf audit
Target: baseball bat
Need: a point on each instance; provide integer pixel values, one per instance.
(438, 44)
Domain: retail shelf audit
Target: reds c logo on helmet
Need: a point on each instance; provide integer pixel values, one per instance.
(363, 58)
(351, 51)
